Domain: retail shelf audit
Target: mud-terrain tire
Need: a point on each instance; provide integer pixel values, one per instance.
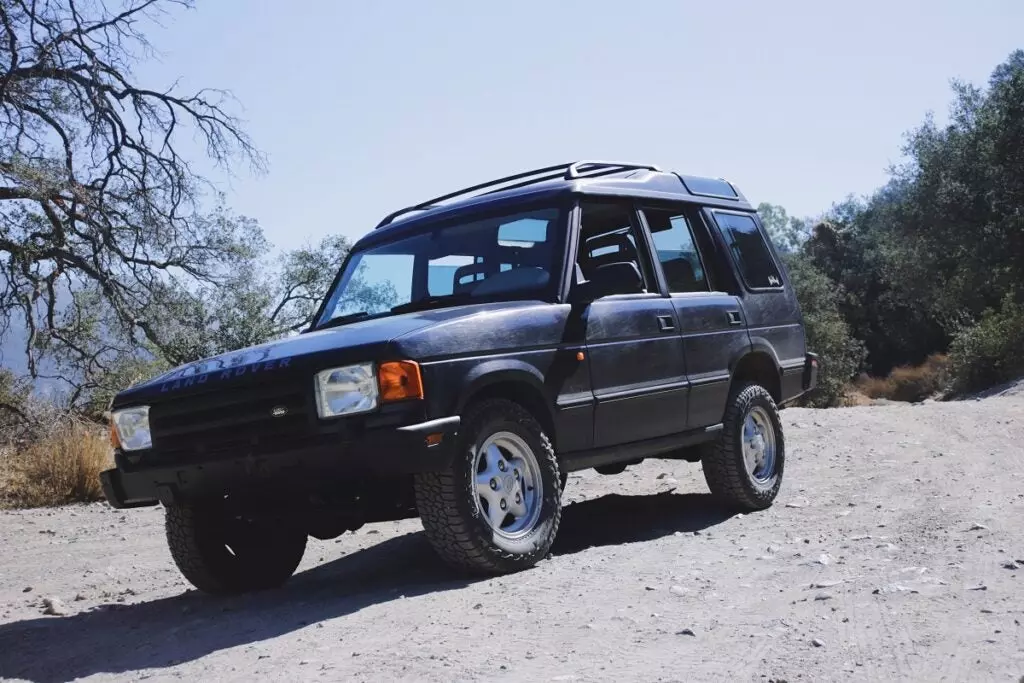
(747, 479)
(492, 457)
(224, 554)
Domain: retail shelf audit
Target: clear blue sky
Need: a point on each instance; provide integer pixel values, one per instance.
(366, 106)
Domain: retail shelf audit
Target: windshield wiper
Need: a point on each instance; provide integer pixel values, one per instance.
(431, 301)
(341, 320)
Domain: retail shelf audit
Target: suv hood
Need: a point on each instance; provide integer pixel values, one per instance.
(272, 361)
(304, 354)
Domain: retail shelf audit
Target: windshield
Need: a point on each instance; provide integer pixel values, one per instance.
(508, 257)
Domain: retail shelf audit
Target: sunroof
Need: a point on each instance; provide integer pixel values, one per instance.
(709, 187)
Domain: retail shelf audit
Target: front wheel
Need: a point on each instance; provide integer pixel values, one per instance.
(224, 553)
(744, 467)
(496, 509)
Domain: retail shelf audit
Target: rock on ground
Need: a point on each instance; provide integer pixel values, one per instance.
(914, 506)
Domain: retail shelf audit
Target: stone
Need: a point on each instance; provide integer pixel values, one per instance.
(53, 606)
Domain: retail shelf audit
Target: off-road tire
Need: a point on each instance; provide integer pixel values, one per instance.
(266, 552)
(724, 469)
(448, 505)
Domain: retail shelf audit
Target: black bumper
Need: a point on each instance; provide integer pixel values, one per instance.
(811, 366)
(385, 451)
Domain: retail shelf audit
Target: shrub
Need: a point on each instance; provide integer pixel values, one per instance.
(827, 332)
(992, 351)
(909, 383)
(60, 467)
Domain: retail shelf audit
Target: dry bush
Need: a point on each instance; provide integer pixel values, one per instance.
(909, 383)
(60, 467)
(853, 397)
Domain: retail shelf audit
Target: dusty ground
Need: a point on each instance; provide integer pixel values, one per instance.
(890, 554)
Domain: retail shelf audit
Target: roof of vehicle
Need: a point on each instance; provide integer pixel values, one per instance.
(608, 178)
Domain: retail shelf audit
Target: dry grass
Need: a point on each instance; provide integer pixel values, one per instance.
(908, 383)
(59, 468)
(853, 398)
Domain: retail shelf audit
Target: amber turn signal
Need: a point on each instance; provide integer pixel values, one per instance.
(400, 381)
(114, 441)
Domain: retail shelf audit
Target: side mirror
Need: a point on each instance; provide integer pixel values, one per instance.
(620, 277)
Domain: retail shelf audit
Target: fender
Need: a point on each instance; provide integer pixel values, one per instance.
(760, 347)
(757, 345)
(497, 371)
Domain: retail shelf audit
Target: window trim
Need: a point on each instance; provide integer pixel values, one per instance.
(687, 212)
(737, 267)
(643, 244)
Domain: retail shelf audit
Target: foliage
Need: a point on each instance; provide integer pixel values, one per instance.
(787, 233)
(943, 241)
(992, 351)
(827, 333)
(853, 249)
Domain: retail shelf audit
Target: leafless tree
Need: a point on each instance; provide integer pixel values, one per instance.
(99, 207)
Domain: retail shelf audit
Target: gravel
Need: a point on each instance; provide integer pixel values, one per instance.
(377, 605)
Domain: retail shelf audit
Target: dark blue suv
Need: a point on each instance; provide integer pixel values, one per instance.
(472, 350)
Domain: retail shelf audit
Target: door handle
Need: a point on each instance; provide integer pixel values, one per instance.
(735, 318)
(666, 323)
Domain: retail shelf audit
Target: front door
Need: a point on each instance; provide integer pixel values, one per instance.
(637, 367)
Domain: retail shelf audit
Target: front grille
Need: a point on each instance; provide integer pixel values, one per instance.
(233, 423)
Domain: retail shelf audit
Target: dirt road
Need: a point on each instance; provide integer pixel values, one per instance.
(895, 552)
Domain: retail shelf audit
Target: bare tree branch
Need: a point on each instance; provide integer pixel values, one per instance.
(97, 198)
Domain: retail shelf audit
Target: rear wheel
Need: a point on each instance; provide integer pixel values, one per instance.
(223, 553)
(744, 467)
(496, 509)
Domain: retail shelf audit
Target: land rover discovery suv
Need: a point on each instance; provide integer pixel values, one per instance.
(472, 350)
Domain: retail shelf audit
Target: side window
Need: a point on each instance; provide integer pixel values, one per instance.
(608, 235)
(677, 250)
(748, 248)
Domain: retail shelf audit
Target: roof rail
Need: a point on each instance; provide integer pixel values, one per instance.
(569, 171)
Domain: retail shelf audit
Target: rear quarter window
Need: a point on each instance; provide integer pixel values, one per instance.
(749, 250)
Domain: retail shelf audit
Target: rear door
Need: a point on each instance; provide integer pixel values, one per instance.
(637, 367)
(773, 315)
(711, 318)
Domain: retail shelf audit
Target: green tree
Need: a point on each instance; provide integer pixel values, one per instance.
(827, 332)
(925, 257)
(962, 212)
(787, 233)
(991, 351)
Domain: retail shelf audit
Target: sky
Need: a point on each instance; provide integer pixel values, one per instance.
(364, 107)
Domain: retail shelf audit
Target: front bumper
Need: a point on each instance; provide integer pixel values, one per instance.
(382, 451)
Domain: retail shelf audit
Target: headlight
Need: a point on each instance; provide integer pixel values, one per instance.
(132, 426)
(346, 391)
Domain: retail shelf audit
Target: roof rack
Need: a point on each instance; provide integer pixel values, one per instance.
(569, 171)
